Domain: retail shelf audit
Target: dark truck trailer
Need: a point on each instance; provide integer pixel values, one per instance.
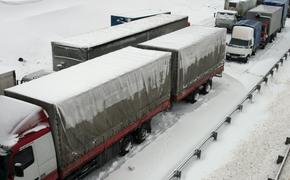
(280, 3)
(94, 106)
(7, 78)
(198, 54)
(122, 18)
(77, 49)
(270, 17)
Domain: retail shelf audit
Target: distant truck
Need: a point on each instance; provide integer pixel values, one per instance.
(77, 49)
(280, 3)
(198, 55)
(245, 40)
(234, 10)
(241, 6)
(270, 17)
(98, 108)
(226, 19)
(134, 15)
(7, 78)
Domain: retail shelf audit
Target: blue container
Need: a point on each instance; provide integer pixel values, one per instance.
(135, 15)
(282, 3)
(257, 26)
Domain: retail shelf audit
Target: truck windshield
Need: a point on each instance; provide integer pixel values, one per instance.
(239, 42)
(4, 167)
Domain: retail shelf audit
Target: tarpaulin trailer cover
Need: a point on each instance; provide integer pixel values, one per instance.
(93, 101)
(196, 51)
(73, 50)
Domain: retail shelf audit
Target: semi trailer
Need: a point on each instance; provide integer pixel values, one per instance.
(122, 18)
(240, 6)
(73, 50)
(68, 121)
(197, 55)
(7, 78)
(245, 40)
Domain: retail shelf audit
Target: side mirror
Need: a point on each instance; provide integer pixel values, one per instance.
(18, 170)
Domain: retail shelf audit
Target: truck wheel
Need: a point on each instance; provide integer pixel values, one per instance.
(125, 145)
(140, 134)
(254, 52)
(207, 87)
(194, 97)
(246, 59)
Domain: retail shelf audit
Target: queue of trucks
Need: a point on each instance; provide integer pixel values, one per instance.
(80, 117)
(108, 85)
(255, 28)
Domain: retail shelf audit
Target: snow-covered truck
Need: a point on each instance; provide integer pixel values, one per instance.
(270, 17)
(73, 50)
(241, 6)
(234, 10)
(280, 3)
(7, 78)
(62, 124)
(198, 55)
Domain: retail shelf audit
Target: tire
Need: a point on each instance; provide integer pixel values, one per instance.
(193, 97)
(140, 134)
(125, 145)
(246, 59)
(207, 87)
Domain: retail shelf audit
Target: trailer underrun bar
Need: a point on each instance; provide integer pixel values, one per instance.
(197, 151)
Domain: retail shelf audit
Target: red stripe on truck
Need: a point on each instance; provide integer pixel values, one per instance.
(198, 83)
(94, 152)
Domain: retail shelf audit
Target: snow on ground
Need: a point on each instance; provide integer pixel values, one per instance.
(249, 147)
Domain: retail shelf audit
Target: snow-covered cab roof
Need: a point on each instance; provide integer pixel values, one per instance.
(112, 33)
(17, 117)
(190, 36)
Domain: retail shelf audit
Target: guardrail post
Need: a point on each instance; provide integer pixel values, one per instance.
(228, 120)
(265, 80)
(287, 142)
(197, 153)
(258, 87)
(250, 97)
(279, 159)
(240, 107)
(277, 66)
(214, 135)
(177, 174)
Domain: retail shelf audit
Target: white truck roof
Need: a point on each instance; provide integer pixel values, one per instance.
(140, 13)
(68, 83)
(109, 34)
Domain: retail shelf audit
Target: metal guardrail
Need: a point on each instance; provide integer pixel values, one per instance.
(177, 172)
(282, 160)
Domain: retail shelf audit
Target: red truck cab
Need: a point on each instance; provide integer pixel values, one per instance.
(26, 145)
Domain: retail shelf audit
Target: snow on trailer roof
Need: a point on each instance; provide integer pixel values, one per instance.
(265, 9)
(140, 13)
(109, 34)
(68, 83)
(183, 38)
(13, 115)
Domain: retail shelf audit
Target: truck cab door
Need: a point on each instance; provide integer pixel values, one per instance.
(25, 161)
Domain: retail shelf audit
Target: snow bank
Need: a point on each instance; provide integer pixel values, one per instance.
(17, 2)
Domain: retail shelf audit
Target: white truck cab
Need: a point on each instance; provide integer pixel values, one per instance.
(26, 144)
(241, 44)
